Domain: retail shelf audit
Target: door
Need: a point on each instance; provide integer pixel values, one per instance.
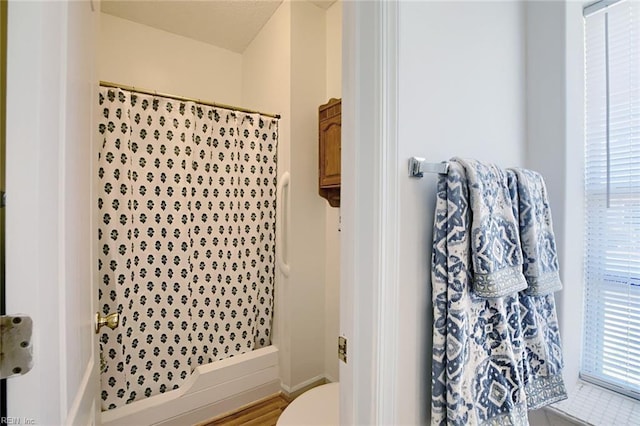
(51, 86)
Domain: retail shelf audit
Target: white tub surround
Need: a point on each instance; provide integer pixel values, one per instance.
(210, 391)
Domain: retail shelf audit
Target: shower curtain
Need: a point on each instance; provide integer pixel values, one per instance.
(186, 223)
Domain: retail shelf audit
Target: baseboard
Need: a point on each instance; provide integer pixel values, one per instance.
(295, 391)
(331, 379)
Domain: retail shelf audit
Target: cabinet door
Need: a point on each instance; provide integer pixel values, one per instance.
(330, 152)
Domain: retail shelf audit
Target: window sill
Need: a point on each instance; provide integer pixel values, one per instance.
(593, 405)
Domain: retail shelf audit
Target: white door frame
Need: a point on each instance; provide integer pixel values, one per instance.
(369, 245)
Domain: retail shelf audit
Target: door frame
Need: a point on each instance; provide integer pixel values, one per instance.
(3, 126)
(370, 216)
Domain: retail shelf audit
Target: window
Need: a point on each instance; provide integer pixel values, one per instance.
(611, 352)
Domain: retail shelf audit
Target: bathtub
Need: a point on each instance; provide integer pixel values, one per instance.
(211, 390)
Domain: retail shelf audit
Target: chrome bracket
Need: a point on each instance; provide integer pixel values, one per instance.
(16, 349)
(419, 166)
(414, 167)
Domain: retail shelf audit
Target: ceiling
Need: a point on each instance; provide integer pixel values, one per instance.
(230, 24)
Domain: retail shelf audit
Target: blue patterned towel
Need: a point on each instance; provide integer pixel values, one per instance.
(478, 349)
(496, 251)
(540, 265)
(542, 362)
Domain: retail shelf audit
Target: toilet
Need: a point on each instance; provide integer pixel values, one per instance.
(317, 406)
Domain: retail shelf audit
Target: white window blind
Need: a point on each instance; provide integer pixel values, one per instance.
(611, 352)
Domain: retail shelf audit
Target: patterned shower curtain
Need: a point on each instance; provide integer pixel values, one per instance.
(186, 238)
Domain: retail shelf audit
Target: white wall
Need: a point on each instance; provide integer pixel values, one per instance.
(284, 71)
(266, 71)
(332, 231)
(461, 79)
(546, 121)
(307, 207)
(334, 50)
(137, 55)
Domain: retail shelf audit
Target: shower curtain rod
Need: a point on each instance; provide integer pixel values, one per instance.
(419, 166)
(185, 99)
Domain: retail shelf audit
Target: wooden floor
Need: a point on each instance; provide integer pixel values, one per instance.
(262, 413)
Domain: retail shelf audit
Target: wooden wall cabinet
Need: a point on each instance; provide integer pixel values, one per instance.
(329, 130)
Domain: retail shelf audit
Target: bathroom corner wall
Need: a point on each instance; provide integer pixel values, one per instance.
(332, 231)
(284, 71)
(307, 244)
(266, 77)
(138, 55)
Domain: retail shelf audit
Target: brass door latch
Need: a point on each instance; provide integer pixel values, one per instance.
(111, 321)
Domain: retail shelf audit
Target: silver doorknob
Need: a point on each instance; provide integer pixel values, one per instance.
(110, 321)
